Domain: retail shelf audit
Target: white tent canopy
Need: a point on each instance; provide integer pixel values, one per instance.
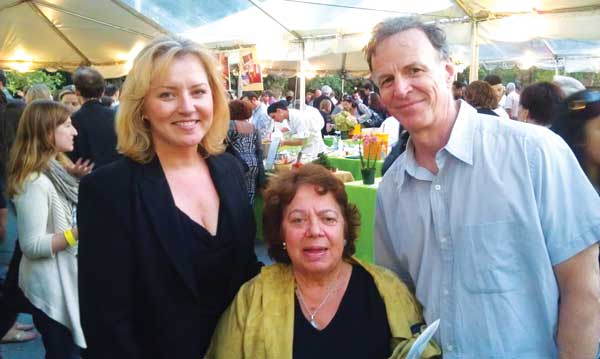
(63, 34)
(330, 34)
(327, 34)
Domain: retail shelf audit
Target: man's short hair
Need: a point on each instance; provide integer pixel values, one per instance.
(458, 84)
(267, 93)
(367, 85)
(110, 90)
(393, 26)
(3, 78)
(493, 80)
(283, 104)
(89, 82)
(251, 95)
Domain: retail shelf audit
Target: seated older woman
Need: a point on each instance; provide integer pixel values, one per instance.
(318, 301)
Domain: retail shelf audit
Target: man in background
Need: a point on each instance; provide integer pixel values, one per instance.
(96, 140)
(512, 101)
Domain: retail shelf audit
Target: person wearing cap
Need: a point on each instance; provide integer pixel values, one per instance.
(579, 125)
(567, 84)
(305, 127)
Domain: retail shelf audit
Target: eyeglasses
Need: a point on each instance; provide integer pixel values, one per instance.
(581, 104)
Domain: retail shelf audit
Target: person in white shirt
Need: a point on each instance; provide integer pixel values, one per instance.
(391, 126)
(305, 124)
(512, 101)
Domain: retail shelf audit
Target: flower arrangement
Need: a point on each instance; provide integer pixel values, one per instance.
(344, 121)
(371, 146)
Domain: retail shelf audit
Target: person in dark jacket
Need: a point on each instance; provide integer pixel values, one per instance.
(166, 233)
(95, 123)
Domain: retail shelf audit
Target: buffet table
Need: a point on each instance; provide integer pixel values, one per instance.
(353, 166)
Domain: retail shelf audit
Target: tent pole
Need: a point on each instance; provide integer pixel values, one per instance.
(474, 68)
(302, 78)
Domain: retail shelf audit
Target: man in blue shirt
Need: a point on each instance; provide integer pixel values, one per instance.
(492, 221)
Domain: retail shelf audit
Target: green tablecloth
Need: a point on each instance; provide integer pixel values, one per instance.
(364, 197)
(258, 211)
(353, 165)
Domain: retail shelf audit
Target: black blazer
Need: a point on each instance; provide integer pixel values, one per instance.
(96, 136)
(137, 298)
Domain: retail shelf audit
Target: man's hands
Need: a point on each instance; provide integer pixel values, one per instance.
(80, 168)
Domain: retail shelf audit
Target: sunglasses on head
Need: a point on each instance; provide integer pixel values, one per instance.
(580, 104)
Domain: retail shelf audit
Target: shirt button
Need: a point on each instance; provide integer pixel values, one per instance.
(443, 239)
(437, 187)
(446, 292)
(449, 348)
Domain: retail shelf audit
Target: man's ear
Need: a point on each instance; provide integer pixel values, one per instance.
(450, 71)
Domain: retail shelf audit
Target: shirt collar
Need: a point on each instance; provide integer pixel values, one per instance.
(460, 145)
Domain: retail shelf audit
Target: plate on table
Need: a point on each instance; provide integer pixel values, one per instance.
(353, 157)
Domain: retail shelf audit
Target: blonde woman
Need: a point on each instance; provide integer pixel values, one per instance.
(167, 233)
(45, 198)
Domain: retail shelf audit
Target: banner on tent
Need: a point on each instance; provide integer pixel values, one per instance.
(224, 62)
(251, 75)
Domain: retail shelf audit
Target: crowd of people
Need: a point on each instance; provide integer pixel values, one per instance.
(136, 232)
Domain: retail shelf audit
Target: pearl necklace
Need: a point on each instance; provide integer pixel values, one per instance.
(302, 302)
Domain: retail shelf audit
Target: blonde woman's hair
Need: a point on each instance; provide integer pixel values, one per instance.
(34, 144)
(38, 92)
(133, 133)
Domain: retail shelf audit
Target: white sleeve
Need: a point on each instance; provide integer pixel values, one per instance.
(32, 206)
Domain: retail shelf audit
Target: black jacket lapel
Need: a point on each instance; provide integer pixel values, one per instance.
(160, 206)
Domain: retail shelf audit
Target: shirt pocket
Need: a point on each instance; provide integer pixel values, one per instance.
(488, 257)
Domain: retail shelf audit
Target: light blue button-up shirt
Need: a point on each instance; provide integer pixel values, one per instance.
(262, 121)
(479, 240)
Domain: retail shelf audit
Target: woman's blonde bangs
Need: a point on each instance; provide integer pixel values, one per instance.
(134, 138)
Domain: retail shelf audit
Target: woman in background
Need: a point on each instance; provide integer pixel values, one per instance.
(481, 95)
(244, 142)
(540, 103)
(45, 198)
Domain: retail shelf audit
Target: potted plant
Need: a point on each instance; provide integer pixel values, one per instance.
(368, 160)
(344, 122)
(323, 160)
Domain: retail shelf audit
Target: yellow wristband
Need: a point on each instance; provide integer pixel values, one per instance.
(70, 237)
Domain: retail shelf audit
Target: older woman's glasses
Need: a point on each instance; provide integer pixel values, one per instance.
(582, 103)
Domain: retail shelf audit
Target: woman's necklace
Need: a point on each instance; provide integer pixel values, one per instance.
(305, 306)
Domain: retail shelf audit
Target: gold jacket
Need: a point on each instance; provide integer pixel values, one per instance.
(259, 323)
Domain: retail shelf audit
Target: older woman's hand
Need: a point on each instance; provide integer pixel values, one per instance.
(80, 168)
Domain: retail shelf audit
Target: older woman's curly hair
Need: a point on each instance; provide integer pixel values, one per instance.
(281, 191)
(480, 94)
(239, 110)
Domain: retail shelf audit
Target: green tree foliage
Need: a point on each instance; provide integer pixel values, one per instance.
(276, 84)
(335, 82)
(530, 76)
(18, 81)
